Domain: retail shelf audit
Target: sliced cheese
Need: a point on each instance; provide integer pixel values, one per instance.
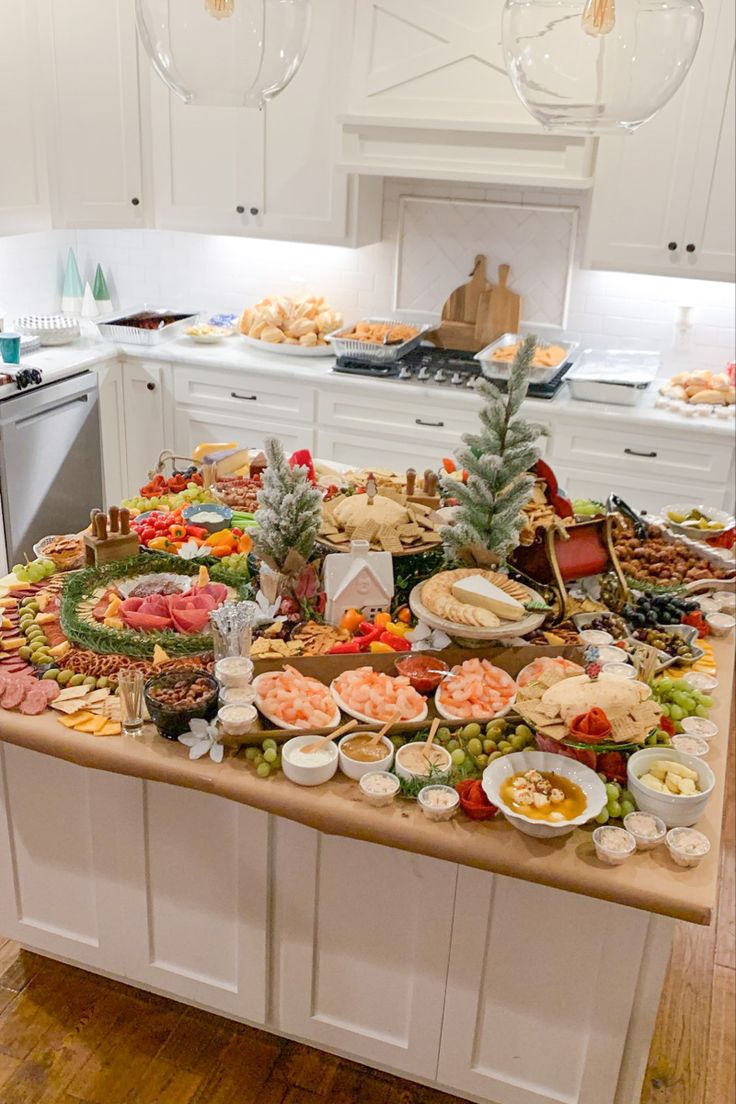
(477, 591)
(112, 728)
(11, 644)
(93, 726)
(159, 655)
(227, 463)
(204, 576)
(75, 719)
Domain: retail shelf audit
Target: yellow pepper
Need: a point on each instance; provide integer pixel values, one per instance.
(397, 628)
(382, 619)
(380, 649)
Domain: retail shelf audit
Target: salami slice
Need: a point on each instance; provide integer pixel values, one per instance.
(34, 702)
(13, 695)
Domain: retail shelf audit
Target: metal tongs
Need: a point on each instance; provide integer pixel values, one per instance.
(617, 505)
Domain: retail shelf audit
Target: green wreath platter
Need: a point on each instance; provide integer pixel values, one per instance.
(83, 586)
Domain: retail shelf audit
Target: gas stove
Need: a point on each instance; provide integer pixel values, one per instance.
(451, 369)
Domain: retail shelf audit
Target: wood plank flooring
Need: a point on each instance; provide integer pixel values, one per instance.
(70, 1037)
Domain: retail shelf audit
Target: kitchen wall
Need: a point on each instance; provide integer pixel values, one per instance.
(431, 233)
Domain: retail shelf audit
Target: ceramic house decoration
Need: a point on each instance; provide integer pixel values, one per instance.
(72, 292)
(101, 293)
(360, 579)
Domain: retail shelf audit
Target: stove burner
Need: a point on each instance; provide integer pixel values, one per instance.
(442, 368)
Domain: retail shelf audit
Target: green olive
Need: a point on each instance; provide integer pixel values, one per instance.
(76, 680)
(90, 681)
(64, 677)
(51, 676)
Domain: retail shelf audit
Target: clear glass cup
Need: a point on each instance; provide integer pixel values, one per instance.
(130, 689)
(236, 641)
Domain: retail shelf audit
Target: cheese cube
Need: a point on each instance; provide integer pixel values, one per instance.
(653, 783)
(671, 767)
(477, 591)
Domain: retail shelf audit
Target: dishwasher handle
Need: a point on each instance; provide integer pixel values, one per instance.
(50, 411)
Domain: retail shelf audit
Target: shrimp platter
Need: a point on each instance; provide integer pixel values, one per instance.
(374, 696)
(475, 690)
(292, 700)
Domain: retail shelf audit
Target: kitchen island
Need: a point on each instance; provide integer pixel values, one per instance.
(410, 946)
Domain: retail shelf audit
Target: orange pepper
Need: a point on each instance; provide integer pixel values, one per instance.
(224, 536)
(351, 619)
(220, 551)
(404, 615)
(245, 543)
(382, 619)
(377, 648)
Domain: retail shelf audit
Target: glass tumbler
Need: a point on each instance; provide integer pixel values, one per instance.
(130, 689)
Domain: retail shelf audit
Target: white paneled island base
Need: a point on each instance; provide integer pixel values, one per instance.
(490, 987)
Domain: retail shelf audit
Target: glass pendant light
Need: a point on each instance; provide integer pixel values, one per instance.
(598, 66)
(229, 53)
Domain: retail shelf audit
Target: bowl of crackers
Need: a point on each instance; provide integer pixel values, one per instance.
(65, 552)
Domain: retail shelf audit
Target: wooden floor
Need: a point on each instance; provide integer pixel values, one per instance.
(69, 1037)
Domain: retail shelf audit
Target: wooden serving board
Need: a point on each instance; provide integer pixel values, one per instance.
(478, 312)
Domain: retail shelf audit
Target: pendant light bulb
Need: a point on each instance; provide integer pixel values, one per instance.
(599, 17)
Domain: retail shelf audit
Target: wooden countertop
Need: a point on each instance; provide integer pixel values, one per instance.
(649, 881)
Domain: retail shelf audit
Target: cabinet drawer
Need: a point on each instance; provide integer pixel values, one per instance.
(642, 455)
(238, 391)
(642, 494)
(192, 426)
(406, 414)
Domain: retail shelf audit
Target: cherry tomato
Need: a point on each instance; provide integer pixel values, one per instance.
(147, 533)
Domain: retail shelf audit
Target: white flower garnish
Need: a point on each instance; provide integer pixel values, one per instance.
(192, 551)
(203, 739)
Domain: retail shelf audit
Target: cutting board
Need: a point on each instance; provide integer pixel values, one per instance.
(462, 306)
(503, 313)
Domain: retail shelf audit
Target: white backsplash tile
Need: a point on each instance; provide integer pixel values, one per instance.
(434, 255)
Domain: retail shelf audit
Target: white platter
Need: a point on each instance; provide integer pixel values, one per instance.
(518, 762)
(467, 632)
(208, 339)
(449, 716)
(277, 723)
(372, 720)
(726, 520)
(289, 350)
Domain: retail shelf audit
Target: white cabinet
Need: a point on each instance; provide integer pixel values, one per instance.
(193, 426)
(231, 392)
(361, 938)
(24, 196)
(663, 197)
(195, 869)
(143, 403)
(112, 433)
(513, 1034)
(89, 53)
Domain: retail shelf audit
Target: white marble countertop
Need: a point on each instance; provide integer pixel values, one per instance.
(234, 355)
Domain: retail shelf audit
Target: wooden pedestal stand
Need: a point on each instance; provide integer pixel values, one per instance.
(110, 538)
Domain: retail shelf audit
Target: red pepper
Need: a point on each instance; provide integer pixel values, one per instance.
(178, 532)
(666, 725)
(368, 634)
(350, 647)
(198, 531)
(398, 643)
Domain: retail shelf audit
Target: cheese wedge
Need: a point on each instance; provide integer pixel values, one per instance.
(203, 577)
(75, 718)
(93, 726)
(112, 728)
(159, 655)
(477, 591)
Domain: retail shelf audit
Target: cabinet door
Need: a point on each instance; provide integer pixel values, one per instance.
(643, 181)
(59, 892)
(112, 433)
(533, 1014)
(144, 420)
(194, 426)
(196, 871)
(361, 939)
(207, 164)
(24, 197)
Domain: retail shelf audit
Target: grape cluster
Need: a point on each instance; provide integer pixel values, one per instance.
(474, 746)
(651, 610)
(193, 494)
(619, 802)
(266, 758)
(679, 699)
(34, 572)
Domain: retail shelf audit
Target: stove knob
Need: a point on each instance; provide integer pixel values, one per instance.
(439, 376)
(423, 373)
(405, 372)
(472, 382)
(457, 379)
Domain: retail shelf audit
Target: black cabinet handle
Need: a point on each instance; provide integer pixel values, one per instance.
(150, 386)
(646, 455)
(434, 425)
(240, 209)
(254, 211)
(690, 248)
(135, 201)
(672, 246)
(243, 398)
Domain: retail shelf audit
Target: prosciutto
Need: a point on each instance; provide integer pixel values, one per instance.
(146, 614)
(186, 613)
(190, 612)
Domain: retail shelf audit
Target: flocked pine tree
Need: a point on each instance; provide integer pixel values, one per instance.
(497, 459)
(289, 513)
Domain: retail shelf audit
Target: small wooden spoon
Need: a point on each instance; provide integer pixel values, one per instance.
(325, 740)
(382, 732)
(433, 731)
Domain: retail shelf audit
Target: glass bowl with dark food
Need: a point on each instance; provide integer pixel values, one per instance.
(177, 697)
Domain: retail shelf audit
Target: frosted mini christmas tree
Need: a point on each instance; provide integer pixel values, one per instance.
(289, 513)
(498, 458)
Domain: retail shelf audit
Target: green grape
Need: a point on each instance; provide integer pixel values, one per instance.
(603, 777)
(471, 731)
(258, 758)
(676, 712)
(702, 711)
(458, 757)
(706, 701)
(602, 817)
(495, 755)
(681, 684)
(481, 761)
(270, 743)
(651, 740)
(443, 734)
(665, 710)
(489, 746)
(263, 770)
(276, 765)
(505, 746)
(21, 574)
(627, 807)
(614, 808)
(664, 686)
(613, 791)
(270, 755)
(475, 747)
(626, 795)
(453, 745)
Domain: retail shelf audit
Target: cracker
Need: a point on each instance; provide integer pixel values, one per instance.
(67, 707)
(70, 692)
(624, 730)
(390, 542)
(556, 731)
(365, 531)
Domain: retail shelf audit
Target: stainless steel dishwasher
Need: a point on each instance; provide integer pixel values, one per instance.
(50, 462)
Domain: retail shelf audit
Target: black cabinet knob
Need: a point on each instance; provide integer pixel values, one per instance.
(672, 246)
(135, 201)
(151, 386)
(690, 248)
(240, 209)
(254, 211)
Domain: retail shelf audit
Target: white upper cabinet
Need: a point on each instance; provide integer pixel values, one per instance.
(89, 52)
(24, 197)
(430, 97)
(663, 196)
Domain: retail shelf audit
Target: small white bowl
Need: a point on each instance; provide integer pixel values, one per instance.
(305, 774)
(725, 521)
(232, 671)
(691, 745)
(645, 843)
(238, 720)
(726, 600)
(675, 840)
(238, 695)
(699, 726)
(379, 799)
(596, 637)
(518, 762)
(618, 670)
(438, 812)
(354, 769)
(676, 810)
(609, 654)
(407, 774)
(720, 624)
(700, 681)
(608, 854)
